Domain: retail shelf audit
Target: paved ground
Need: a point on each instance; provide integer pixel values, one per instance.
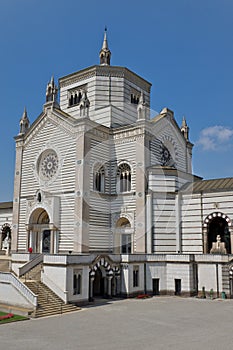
(157, 323)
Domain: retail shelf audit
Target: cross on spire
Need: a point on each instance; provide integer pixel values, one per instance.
(105, 53)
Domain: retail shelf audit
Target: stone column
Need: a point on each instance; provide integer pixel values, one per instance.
(118, 284)
(91, 279)
(0, 240)
(231, 237)
(55, 248)
(40, 240)
(140, 186)
(17, 190)
(109, 279)
(178, 224)
(149, 223)
(29, 238)
(82, 190)
(205, 240)
(52, 242)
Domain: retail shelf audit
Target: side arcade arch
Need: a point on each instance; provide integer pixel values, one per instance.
(217, 224)
(104, 278)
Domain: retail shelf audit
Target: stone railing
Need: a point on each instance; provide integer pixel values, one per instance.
(63, 294)
(68, 259)
(7, 277)
(23, 257)
(217, 258)
(55, 259)
(29, 265)
(157, 258)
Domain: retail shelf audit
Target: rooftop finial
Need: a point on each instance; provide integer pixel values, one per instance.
(105, 53)
(184, 123)
(51, 91)
(185, 129)
(105, 42)
(24, 122)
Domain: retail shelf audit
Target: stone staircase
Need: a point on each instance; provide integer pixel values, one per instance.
(48, 302)
(34, 274)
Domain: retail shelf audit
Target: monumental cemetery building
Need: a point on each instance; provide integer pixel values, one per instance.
(105, 202)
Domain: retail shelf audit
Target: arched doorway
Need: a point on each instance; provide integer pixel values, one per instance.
(218, 225)
(100, 283)
(39, 232)
(104, 279)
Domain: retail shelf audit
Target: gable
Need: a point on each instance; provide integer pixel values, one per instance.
(51, 135)
(168, 146)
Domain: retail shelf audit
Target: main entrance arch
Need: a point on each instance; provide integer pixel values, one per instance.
(217, 224)
(41, 237)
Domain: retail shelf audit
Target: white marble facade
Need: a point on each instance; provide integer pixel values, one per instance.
(106, 192)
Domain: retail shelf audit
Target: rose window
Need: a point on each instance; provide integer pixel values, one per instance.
(48, 165)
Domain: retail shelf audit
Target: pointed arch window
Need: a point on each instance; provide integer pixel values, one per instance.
(124, 178)
(99, 179)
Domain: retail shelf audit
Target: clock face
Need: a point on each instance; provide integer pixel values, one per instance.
(48, 165)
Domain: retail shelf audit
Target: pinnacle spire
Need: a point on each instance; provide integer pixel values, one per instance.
(141, 98)
(184, 123)
(52, 81)
(105, 41)
(185, 129)
(25, 115)
(24, 122)
(105, 53)
(142, 108)
(51, 91)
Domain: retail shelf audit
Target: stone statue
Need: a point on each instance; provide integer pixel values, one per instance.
(218, 247)
(6, 243)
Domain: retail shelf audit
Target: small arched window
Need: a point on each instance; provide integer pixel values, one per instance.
(99, 180)
(124, 178)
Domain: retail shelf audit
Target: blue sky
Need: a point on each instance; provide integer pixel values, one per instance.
(183, 47)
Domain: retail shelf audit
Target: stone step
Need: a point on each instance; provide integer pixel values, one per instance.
(48, 302)
(52, 313)
(43, 313)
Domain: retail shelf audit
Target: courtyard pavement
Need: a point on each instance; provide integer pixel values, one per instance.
(156, 323)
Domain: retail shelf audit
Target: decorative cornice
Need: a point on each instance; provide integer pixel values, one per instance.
(129, 133)
(105, 71)
(40, 122)
(77, 77)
